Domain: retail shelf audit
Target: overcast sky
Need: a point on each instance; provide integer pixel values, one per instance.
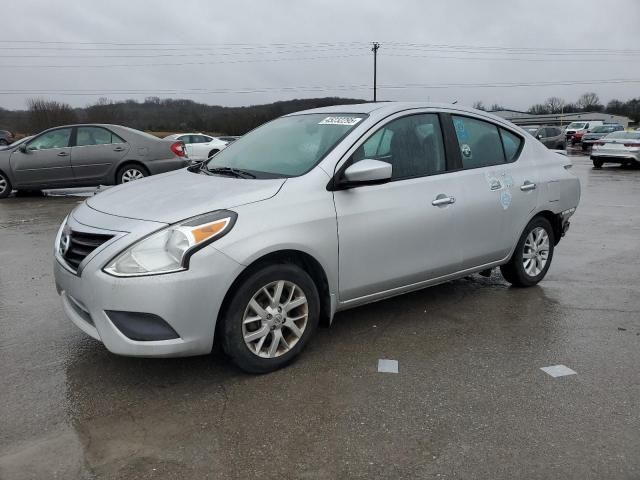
(213, 51)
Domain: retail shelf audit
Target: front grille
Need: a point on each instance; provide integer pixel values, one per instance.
(81, 245)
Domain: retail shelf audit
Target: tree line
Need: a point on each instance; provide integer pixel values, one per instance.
(159, 115)
(181, 115)
(587, 102)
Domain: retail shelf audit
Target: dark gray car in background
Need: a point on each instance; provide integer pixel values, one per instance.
(551, 137)
(6, 137)
(601, 131)
(86, 155)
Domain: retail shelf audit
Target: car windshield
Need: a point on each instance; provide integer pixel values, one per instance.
(288, 146)
(629, 135)
(577, 125)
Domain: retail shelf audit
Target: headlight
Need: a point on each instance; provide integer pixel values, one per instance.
(169, 249)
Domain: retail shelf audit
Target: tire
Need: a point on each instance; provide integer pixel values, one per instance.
(129, 173)
(3, 142)
(516, 271)
(266, 353)
(597, 163)
(5, 186)
(584, 147)
(212, 153)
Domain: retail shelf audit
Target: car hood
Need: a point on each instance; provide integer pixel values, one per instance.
(174, 196)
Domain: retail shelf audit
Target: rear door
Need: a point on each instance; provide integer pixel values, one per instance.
(47, 160)
(96, 151)
(498, 189)
(404, 231)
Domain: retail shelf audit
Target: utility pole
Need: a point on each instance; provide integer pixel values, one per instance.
(374, 49)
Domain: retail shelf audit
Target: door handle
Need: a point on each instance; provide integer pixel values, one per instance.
(442, 200)
(118, 149)
(63, 154)
(527, 185)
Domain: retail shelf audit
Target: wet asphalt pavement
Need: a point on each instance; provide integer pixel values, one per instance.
(469, 401)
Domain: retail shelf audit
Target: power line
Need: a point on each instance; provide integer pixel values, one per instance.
(196, 91)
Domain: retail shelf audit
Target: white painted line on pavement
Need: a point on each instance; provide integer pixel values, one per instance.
(387, 366)
(558, 371)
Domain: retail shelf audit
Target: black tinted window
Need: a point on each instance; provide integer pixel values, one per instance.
(412, 145)
(479, 141)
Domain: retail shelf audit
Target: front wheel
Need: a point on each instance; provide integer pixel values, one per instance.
(5, 186)
(270, 318)
(129, 173)
(532, 257)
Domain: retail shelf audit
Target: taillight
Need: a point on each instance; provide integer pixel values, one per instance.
(634, 144)
(178, 149)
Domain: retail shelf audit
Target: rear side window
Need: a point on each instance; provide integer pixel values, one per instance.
(96, 136)
(511, 144)
(479, 141)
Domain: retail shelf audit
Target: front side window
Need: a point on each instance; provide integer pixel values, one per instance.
(55, 139)
(413, 146)
(287, 146)
(479, 141)
(96, 136)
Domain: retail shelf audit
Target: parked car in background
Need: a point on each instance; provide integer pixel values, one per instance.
(216, 251)
(199, 146)
(86, 155)
(617, 147)
(6, 137)
(551, 137)
(575, 130)
(599, 132)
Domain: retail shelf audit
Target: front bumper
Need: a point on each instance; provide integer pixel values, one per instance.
(188, 301)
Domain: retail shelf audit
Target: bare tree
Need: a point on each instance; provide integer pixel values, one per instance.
(478, 105)
(556, 104)
(44, 114)
(539, 109)
(495, 107)
(589, 101)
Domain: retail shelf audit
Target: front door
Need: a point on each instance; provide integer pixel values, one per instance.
(46, 161)
(95, 152)
(405, 231)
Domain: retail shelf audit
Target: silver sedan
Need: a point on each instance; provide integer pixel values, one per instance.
(617, 147)
(312, 213)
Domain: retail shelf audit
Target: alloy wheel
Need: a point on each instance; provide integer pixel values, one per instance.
(3, 184)
(131, 174)
(275, 319)
(535, 252)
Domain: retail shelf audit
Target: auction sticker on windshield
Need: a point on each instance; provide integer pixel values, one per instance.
(340, 121)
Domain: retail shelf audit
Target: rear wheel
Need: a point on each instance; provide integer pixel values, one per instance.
(3, 142)
(131, 172)
(270, 318)
(5, 186)
(532, 256)
(597, 163)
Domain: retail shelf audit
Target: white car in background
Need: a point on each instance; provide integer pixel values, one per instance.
(199, 146)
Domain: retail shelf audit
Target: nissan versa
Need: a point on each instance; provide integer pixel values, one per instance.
(310, 214)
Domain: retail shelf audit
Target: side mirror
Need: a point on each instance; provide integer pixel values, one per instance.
(539, 136)
(23, 148)
(368, 171)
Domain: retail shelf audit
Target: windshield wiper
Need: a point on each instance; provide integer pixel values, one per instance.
(233, 172)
